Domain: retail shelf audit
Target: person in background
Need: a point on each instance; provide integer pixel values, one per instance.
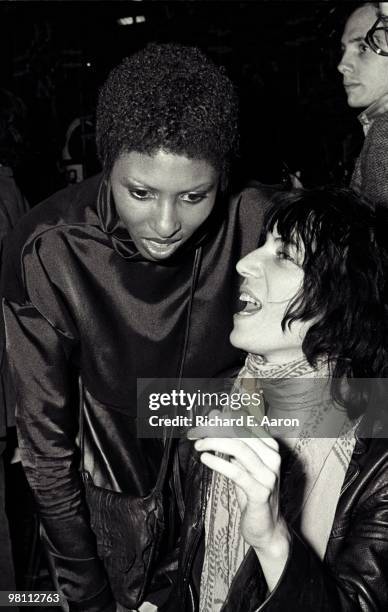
(13, 206)
(126, 275)
(365, 78)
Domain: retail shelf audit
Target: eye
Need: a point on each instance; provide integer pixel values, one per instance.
(290, 254)
(193, 197)
(363, 47)
(284, 254)
(140, 194)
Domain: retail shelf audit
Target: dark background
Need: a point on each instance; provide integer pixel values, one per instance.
(282, 56)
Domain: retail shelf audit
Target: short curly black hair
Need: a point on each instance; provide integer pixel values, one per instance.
(169, 97)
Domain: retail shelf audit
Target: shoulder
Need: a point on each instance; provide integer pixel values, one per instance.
(75, 205)
(381, 122)
(68, 205)
(256, 195)
(378, 131)
(252, 203)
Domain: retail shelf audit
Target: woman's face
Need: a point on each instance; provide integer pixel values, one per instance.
(272, 276)
(162, 199)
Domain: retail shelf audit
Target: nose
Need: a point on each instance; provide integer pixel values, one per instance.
(251, 264)
(165, 219)
(346, 63)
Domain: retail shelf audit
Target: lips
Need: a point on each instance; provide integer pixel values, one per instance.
(161, 241)
(350, 85)
(252, 304)
(159, 248)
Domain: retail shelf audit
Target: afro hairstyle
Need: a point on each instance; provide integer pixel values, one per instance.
(168, 97)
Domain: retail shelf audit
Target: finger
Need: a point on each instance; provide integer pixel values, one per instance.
(237, 447)
(269, 454)
(262, 434)
(248, 459)
(205, 431)
(254, 490)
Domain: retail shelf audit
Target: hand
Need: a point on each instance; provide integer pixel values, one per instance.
(254, 468)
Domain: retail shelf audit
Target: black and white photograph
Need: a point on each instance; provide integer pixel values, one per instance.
(194, 290)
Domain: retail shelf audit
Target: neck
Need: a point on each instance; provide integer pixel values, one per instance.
(295, 385)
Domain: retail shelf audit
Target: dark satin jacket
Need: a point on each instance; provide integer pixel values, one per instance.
(81, 302)
(353, 577)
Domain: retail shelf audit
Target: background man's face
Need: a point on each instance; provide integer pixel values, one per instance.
(365, 74)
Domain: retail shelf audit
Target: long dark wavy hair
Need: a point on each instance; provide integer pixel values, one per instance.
(344, 240)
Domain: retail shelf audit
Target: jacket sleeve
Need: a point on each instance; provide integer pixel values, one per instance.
(47, 421)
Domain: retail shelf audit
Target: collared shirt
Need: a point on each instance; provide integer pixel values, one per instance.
(377, 108)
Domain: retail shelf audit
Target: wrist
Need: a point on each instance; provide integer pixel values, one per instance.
(277, 545)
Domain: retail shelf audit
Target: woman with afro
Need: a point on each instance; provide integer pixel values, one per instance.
(127, 275)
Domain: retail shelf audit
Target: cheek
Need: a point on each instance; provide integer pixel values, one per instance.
(376, 77)
(192, 218)
(284, 284)
(133, 215)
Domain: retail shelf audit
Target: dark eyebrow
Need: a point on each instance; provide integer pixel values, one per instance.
(132, 182)
(356, 39)
(288, 243)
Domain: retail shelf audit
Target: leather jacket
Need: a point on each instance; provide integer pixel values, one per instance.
(354, 573)
(84, 309)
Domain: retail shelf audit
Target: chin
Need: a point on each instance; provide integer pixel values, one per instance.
(237, 340)
(357, 103)
(233, 338)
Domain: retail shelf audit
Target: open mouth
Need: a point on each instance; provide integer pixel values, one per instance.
(252, 305)
(157, 248)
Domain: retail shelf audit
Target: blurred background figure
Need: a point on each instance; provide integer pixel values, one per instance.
(12, 119)
(364, 66)
(13, 205)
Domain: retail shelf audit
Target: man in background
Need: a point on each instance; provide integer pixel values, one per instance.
(364, 67)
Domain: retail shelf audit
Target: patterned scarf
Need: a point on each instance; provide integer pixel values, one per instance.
(313, 468)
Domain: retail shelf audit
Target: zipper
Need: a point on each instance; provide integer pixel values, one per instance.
(175, 467)
(194, 279)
